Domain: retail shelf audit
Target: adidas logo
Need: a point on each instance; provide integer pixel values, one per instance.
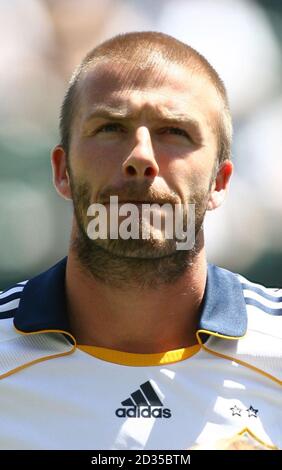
(144, 403)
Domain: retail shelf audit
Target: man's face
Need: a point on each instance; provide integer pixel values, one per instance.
(145, 135)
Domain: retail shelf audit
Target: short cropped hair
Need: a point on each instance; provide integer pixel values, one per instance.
(145, 49)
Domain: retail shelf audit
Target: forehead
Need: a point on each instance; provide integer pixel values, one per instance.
(170, 86)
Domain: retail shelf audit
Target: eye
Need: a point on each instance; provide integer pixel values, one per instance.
(174, 131)
(111, 127)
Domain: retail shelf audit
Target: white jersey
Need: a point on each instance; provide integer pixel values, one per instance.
(57, 395)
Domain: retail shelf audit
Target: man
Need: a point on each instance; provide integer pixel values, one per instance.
(131, 342)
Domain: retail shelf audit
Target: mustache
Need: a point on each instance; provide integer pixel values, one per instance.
(137, 192)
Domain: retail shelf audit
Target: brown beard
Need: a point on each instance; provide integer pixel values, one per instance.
(140, 263)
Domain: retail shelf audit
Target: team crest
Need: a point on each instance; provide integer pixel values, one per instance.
(244, 440)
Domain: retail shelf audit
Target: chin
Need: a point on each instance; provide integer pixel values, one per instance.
(142, 249)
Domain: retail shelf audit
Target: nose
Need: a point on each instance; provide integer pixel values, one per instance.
(141, 162)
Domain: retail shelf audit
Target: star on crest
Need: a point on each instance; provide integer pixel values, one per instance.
(252, 412)
(236, 410)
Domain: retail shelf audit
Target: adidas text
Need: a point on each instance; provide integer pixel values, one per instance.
(143, 412)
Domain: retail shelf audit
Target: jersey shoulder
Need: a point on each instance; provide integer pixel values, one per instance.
(10, 299)
(265, 299)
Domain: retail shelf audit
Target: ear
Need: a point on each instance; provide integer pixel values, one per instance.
(220, 185)
(61, 179)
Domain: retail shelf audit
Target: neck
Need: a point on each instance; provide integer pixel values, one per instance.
(135, 318)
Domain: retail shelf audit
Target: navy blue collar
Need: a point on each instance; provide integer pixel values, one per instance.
(43, 303)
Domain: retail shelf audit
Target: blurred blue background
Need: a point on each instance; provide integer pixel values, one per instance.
(41, 43)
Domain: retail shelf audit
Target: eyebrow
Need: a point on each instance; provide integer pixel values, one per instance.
(167, 116)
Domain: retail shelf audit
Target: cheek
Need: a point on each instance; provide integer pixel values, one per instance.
(92, 164)
(188, 177)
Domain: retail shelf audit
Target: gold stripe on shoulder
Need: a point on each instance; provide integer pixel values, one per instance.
(43, 357)
(231, 358)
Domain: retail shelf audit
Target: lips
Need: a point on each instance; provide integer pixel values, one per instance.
(136, 202)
